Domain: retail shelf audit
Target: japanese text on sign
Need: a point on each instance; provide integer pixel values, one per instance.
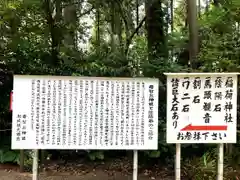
(84, 113)
(201, 108)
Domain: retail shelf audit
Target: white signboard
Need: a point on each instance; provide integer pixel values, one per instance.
(201, 107)
(51, 112)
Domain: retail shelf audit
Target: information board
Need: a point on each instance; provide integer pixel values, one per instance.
(201, 107)
(57, 112)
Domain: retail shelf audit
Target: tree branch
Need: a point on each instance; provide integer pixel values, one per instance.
(129, 40)
(52, 29)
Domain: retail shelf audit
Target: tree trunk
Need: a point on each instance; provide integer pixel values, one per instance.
(98, 27)
(117, 27)
(137, 15)
(199, 8)
(155, 30)
(54, 29)
(112, 25)
(207, 5)
(193, 32)
(172, 19)
(70, 19)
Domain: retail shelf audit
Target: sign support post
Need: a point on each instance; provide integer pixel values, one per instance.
(35, 165)
(220, 161)
(135, 165)
(178, 162)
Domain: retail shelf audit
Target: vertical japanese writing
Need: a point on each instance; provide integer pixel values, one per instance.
(106, 113)
(86, 100)
(70, 111)
(127, 107)
(228, 106)
(87, 113)
(54, 111)
(101, 113)
(207, 97)
(18, 131)
(122, 113)
(65, 105)
(21, 131)
(132, 111)
(118, 111)
(75, 115)
(97, 105)
(142, 114)
(112, 99)
(185, 84)
(91, 135)
(150, 112)
(138, 108)
(217, 107)
(24, 127)
(49, 96)
(37, 118)
(33, 108)
(43, 111)
(59, 118)
(204, 110)
(80, 112)
(175, 102)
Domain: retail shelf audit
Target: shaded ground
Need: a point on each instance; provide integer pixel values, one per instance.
(117, 170)
(97, 175)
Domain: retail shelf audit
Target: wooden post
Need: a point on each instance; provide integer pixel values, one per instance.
(178, 162)
(135, 165)
(35, 165)
(220, 161)
(21, 161)
(42, 160)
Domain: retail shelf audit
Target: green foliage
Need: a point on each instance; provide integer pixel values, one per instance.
(201, 168)
(8, 156)
(28, 159)
(153, 154)
(96, 155)
(205, 167)
(220, 39)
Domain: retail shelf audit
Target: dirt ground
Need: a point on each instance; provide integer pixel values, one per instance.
(98, 175)
(112, 171)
